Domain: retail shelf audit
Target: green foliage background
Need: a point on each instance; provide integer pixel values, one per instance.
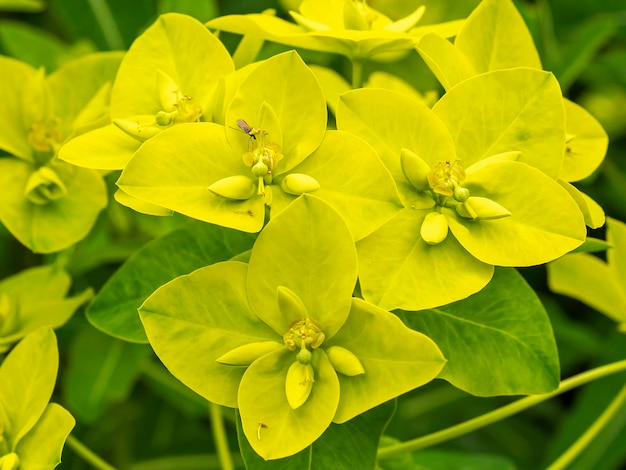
(131, 411)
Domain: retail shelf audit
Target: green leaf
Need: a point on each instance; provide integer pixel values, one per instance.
(586, 149)
(265, 412)
(364, 195)
(390, 121)
(497, 342)
(75, 83)
(27, 312)
(189, 326)
(592, 245)
(587, 278)
(307, 230)
(332, 84)
(56, 225)
(545, 222)
(397, 269)
(175, 169)
(15, 83)
(38, 47)
(452, 460)
(114, 310)
(105, 148)
(616, 258)
(520, 109)
(495, 37)
(22, 5)
(27, 378)
(446, 61)
(42, 446)
(101, 371)
(347, 446)
(591, 210)
(181, 47)
(288, 86)
(391, 369)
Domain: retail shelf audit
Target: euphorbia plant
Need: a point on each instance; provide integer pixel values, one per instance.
(283, 341)
(293, 235)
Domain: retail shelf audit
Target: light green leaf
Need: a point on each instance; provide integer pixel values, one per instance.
(288, 86)
(616, 258)
(390, 121)
(495, 37)
(364, 194)
(27, 378)
(395, 358)
(15, 83)
(332, 85)
(48, 307)
(446, 61)
(196, 244)
(74, 84)
(397, 269)
(195, 319)
(175, 169)
(388, 81)
(105, 148)
(545, 222)
(585, 149)
(517, 109)
(591, 210)
(101, 371)
(497, 342)
(41, 448)
(587, 278)
(308, 249)
(31, 6)
(342, 446)
(56, 225)
(272, 427)
(181, 47)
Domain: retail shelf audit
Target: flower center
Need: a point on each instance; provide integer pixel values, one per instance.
(262, 155)
(444, 180)
(304, 334)
(45, 138)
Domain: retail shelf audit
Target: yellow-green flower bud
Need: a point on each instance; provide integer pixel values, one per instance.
(344, 361)
(304, 356)
(163, 119)
(481, 208)
(461, 194)
(298, 183)
(9, 462)
(259, 169)
(236, 187)
(141, 128)
(44, 186)
(415, 169)
(434, 229)
(299, 383)
(248, 353)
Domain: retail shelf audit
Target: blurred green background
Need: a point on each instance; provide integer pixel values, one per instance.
(134, 414)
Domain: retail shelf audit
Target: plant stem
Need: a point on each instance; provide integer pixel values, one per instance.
(585, 439)
(219, 435)
(501, 413)
(87, 454)
(357, 72)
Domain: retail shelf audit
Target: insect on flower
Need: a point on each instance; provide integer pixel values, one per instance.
(247, 129)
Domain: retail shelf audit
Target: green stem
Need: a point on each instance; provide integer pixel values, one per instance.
(219, 435)
(583, 441)
(87, 455)
(501, 413)
(357, 72)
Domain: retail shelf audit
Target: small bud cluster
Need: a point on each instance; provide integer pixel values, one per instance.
(304, 334)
